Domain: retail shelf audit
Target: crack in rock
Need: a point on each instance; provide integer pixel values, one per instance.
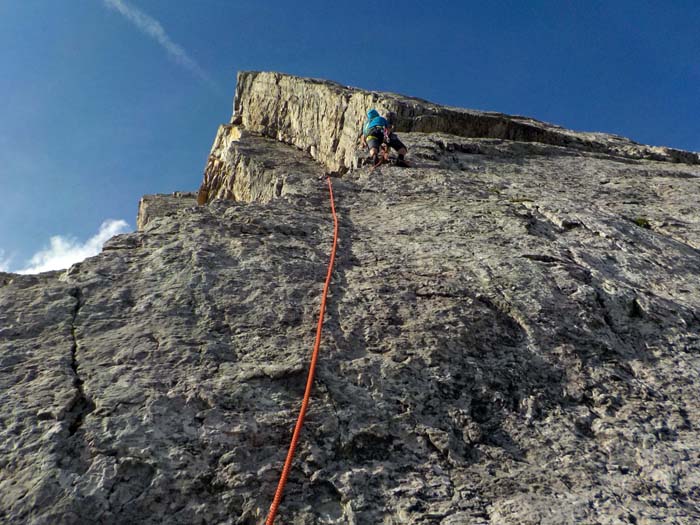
(81, 405)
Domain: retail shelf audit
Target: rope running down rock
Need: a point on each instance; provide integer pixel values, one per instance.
(312, 369)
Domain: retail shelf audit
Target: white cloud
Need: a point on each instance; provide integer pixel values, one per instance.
(152, 28)
(65, 251)
(4, 262)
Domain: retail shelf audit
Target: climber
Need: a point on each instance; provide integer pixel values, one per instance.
(378, 130)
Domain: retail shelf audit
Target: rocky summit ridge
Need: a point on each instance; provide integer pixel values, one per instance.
(512, 335)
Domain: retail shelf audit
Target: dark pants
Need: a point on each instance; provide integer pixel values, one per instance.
(376, 137)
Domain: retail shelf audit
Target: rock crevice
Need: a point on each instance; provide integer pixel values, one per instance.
(81, 405)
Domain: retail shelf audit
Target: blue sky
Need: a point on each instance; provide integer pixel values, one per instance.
(107, 100)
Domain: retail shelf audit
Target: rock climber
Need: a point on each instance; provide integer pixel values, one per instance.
(378, 130)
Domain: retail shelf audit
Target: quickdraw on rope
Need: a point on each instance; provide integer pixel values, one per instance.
(312, 369)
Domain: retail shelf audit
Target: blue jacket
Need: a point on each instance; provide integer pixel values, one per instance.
(374, 120)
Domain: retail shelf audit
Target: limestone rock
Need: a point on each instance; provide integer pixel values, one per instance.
(511, 335)
(324, 118)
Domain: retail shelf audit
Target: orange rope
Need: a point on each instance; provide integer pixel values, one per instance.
(312, 369)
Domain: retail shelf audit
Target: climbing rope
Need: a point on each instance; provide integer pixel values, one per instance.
(312, 369)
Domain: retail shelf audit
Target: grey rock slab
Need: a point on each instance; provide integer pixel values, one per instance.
(511, 337)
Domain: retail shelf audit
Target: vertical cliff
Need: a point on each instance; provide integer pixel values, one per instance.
(512, 334)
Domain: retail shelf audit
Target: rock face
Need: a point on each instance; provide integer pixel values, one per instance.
(323, 119)
(512, 333)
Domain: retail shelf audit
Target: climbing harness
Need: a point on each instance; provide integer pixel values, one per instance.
(312, 369)
(387, 137)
